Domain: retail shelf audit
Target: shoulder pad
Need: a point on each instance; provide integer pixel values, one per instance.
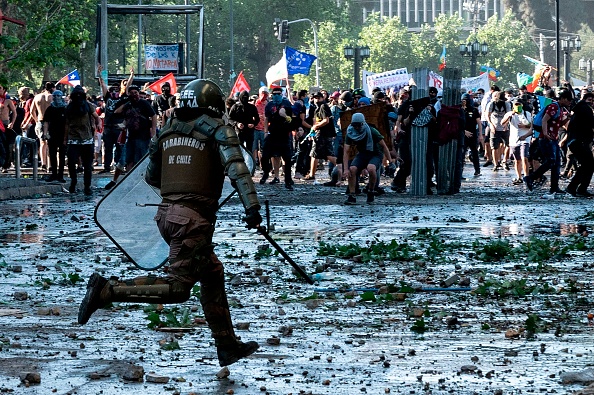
(207, 125)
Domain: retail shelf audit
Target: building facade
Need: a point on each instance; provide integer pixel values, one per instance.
(415, 13)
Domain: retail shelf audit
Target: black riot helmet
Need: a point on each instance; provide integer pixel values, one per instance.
(200, 97)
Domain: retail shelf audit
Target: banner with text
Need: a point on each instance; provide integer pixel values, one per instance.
(161, 57)
(472, 84)
(468, 84)
(394, 79)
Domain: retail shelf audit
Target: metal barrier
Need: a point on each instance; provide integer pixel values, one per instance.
(20, 140)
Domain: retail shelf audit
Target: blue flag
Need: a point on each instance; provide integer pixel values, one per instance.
(298, 62)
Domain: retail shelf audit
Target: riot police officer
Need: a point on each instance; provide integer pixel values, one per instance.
(188, 163)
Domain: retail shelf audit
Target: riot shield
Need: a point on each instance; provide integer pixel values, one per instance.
(126, 215)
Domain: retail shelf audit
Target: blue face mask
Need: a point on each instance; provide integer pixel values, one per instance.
(277, 99)
(306, 101)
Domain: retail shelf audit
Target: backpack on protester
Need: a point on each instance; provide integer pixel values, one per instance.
(449, 123)
(537, 121)
(497, 114)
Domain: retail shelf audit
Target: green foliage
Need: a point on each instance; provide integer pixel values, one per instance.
(506, 50)
(196, 291)
(493, 251)
(419, 326)
(264, 253)
(169, 318)
(170, 345)
(393, 251)
(531, 325)
(512, 288)
(368, 296)
(71, 279)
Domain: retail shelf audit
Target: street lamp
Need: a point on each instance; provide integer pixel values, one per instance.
(586, 65)
(473, 49)
(357, 54)
(568, 45)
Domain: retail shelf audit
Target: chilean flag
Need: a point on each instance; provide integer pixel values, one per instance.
(71, 78)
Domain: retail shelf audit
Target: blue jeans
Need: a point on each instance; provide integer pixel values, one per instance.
(551, 160)
(136, 149)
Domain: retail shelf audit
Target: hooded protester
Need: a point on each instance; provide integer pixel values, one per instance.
(371, 152)
(81, 120)
(54, 128)
(161, 104)
(244, 117)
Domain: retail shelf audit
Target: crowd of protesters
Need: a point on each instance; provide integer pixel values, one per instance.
(294, 135)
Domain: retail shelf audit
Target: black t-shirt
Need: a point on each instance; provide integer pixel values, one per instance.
(111, 105)
(138, 116)
(580, 125)
(403, 111)
(470, 116)
(56, 119)
(321, 113)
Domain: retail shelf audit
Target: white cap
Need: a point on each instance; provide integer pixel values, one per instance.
(263, 89)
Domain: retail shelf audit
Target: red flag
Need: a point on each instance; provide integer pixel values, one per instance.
(240, 84)
(156, 86)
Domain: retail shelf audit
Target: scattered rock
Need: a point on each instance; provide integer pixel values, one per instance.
(512, 334)
(273, 341)
(585, 377)
(468, 368)
(464, 282)
(313, 304)
(243, 326)
(155, 378)
(30, 377)
(21, 295)
(134, 373)
(286, 330)
(17, 269)
(448, 282)
(236, 280)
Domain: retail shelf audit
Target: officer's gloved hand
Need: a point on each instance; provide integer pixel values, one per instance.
(252, 218)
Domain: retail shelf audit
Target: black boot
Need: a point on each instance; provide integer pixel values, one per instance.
(229, 354)
(93, 300)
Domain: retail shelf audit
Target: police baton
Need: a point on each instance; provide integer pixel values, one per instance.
(262, 230)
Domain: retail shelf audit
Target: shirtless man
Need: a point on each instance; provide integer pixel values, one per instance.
(41, 102)
(7, 108)
(8, 117)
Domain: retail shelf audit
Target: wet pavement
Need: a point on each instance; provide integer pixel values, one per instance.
(335, 337)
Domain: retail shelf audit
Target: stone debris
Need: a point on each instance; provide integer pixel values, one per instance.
(30, 377)
(20, 295)
(223, 373)
(585, 377)
(134, 373)
(152, 377)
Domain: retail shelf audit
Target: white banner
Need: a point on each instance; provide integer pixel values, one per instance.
(394, 79)
(474, 83)
(161, 57)
(366, 88)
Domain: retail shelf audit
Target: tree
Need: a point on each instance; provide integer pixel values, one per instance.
(506, 50)
(52, 38)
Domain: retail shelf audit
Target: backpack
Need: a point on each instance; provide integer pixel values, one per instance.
(538, 117)
(449, 123)
(497, 114)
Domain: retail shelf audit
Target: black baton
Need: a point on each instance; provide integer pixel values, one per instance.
(263, 232)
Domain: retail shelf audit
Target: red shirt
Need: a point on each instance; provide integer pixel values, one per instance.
(554, 124)
(260, 106)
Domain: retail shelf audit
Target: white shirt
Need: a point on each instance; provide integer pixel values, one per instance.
(515, 132)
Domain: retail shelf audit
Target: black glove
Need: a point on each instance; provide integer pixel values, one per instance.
(252, 218)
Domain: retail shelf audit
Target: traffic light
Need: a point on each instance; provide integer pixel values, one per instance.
(284, 31)
(276, 27)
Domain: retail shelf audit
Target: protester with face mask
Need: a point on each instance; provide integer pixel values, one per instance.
(371, 152)
(244, 117)
(580, 137)
(161, 104)
(113, 124)
(54, 127)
